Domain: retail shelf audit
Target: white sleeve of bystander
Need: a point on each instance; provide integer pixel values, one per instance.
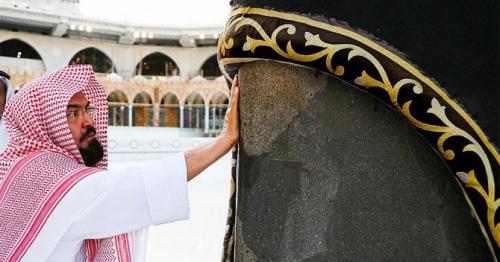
(4, 137)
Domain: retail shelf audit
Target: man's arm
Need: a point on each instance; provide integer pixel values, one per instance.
(200, 158)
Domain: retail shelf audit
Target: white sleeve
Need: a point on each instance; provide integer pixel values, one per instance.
(119, 202)
(4, 136)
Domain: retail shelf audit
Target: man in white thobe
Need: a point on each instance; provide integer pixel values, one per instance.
(6, 93)
(58, 201)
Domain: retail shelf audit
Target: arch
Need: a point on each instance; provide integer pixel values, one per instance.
(30, 58)
(194, 99)
(219, 98)
(95, 57)
(169, 110)
(18, 49)
(217, 111)
(117, 96)
(170, 98)
(210, 68)
(118, 109)
(157, 64)
(194, 111)
(142, 111)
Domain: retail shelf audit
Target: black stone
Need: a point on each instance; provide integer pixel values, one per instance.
(330, 173)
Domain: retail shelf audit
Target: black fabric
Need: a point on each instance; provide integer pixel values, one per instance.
(456, 43)
(2, 73)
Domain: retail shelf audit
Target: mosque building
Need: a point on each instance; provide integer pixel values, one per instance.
(154, 76)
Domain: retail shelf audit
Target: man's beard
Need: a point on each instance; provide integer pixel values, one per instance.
(94, 151)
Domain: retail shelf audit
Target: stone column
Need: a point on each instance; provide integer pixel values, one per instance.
(130, 114)
(207, 126)
(156, 107)
(181, 116)
(156, 114)
(215, 120)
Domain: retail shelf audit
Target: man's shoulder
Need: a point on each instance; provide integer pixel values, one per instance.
(51, 159)
(52, 162)
(49, 154)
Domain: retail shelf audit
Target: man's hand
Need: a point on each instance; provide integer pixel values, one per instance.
(200, 158)
(231, 129)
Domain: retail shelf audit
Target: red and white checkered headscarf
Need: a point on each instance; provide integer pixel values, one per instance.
(42, 162)
(36, 116)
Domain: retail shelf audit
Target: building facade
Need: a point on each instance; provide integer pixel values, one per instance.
(154, 77)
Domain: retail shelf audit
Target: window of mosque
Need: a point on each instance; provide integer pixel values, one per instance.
(118, 109)
(99, 61)
(18, 49)
(194, 111)
(142, 111)
(169, 111)
(210, 69)
(157, 64)
(217, 112)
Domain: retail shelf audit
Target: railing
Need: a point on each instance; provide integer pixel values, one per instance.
(138, 142)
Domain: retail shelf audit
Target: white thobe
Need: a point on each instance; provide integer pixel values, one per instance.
(4, 136)
(110, 203)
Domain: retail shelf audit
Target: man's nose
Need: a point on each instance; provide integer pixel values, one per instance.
(87, 121)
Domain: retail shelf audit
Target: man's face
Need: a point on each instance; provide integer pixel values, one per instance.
(82, 126)
(3, 97)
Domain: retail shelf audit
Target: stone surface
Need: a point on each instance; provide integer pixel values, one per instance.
(329, 173)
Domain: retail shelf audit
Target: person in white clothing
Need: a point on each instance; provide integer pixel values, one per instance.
(6, 93)
(58, 201)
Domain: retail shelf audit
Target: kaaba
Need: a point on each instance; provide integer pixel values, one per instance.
(368, 130)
